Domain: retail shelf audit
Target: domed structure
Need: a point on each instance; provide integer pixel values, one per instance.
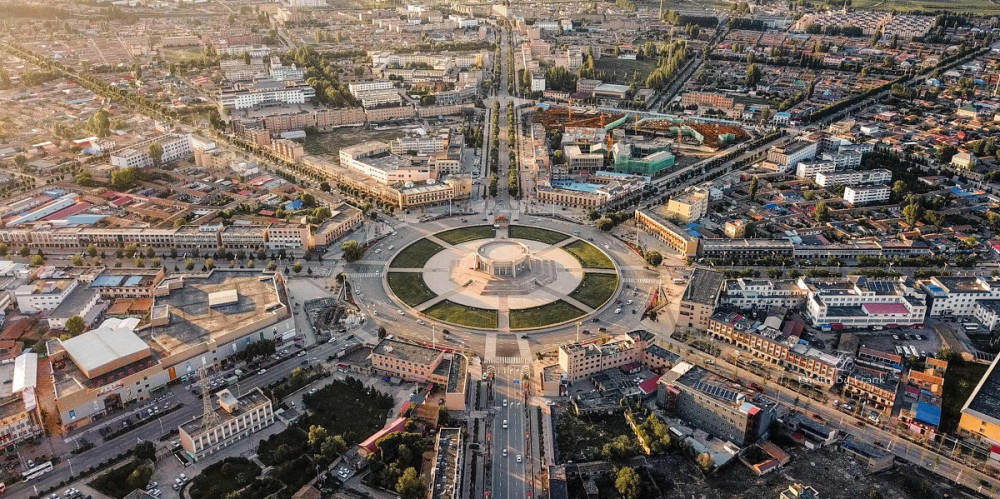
(503, 258)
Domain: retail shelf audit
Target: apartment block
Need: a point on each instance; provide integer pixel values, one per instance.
(860, 302)
(852, 178)
(857, 196)
(235, 419)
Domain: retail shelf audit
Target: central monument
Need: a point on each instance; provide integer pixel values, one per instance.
(503, 257)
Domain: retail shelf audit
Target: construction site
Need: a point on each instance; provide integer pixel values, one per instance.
(695, 136)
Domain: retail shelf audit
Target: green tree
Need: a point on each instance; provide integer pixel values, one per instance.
(77, 260)
(654, 258)
(912, 213)
(20, 160)
(352, 250)
(99, 123)
(994, 220)
(297, 267)
(971, 241)
(899, 189)
(75, 325)
(124, 178)
(37, 261)
(753, 75)
(155, 151)
(139, 477)
(822, 212)
(410, 484)
(317, 435)
(210, 262)
(627, 483)
(189, 264)
(754, 184)
(605, 224)
(91, 250)
(4, 250)
(84, 179)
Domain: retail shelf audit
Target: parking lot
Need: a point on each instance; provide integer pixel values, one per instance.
(919, 342)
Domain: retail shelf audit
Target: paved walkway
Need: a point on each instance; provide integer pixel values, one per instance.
(503, 315)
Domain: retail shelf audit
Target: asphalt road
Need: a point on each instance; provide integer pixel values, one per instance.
(510, 477)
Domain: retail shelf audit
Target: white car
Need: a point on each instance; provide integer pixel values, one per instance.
(519, 458)
(505, 453)
(505, 424)
(505, 402)
(618, 310)
(400, 312)
(262, 371)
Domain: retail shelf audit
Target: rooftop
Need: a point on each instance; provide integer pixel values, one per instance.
(408, 352)
(248, 401)
(704, 286)
(113, 342)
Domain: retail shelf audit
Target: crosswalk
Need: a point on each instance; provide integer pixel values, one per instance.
(641, 280)
(363, 274)
(506, 360)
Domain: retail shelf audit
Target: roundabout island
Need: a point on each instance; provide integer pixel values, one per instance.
(502, 277)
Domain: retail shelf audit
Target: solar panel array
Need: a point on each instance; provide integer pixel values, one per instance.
(716, 391)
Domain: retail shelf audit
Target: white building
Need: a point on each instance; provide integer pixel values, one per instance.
(420, 144)
(235, 419)
(867, 194)
(860, 302)
(807, 170)
(375, 160)
(175, 146)
(43, 295)
(748, 294)
(850, 178)
(245, 96)
(360, 89)
(537, 82)
(959, 296)
(282, 73)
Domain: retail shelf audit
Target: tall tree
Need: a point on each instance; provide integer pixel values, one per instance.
(627, 483)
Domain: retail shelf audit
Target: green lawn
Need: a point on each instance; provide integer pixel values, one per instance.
(449, 311)
(416, 254)
(348, 408)
(466, 234)
(589, 256)
(595, 289)
(551, 313)
(410, 287)
(622, 70)
(536, 234)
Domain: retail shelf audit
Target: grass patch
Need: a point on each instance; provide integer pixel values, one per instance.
(466, 234)
(410, 287)
(621, 70)
(535, 234)
(961, 379)
(595, 289)
(224, 477)
(544, 315)
(588, 255)
(415, 255)
(449, 311)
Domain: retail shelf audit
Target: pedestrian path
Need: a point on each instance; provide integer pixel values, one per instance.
(505, 360)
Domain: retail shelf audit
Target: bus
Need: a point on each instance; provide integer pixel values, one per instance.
(37, 471)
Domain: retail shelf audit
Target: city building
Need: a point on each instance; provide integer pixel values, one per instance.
(43, 295)
(175, 146)
(962, 296)
(789, 155)
(851, 178)
(344, 218)
(446, 475)
(709, 402)
(265, 91)
(579, 361)
(964, 160)
(745, 249)
(675, 237)
(981, 413)
(20, 414)
(195, 321)
(579, 162)
(375, 160)
(413, 362)
(874, 458)
(689, 205)
(630, 159)
(859, 302)
(700, 298)
(857, 196)
(763, 294)
(873, 388)
(235, 419)
(778, 345)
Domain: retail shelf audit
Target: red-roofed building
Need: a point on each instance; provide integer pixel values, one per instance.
(649, 386)
(370, 444)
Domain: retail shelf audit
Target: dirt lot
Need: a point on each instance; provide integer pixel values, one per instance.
(331, 142)
(831, 473)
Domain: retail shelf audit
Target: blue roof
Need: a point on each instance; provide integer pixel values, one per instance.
(294, 205)
(133, 280)
(961, 192)
(576, 186)
(107, 280)
(928, 413)
(693, 233)
(84, 219)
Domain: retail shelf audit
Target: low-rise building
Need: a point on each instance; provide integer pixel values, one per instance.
(413, 362)
(857, 196)
(235, 419)
(20, 414)
(861, 302)
(710, 403)
(675, 237)
(763, 294)
(851, 178)
(874, 388)
(700, 298)
(689, 205)
(43, 295)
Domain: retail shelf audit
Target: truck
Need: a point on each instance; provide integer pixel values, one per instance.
(232, 380)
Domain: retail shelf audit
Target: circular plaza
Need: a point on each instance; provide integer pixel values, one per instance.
(502, 277)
